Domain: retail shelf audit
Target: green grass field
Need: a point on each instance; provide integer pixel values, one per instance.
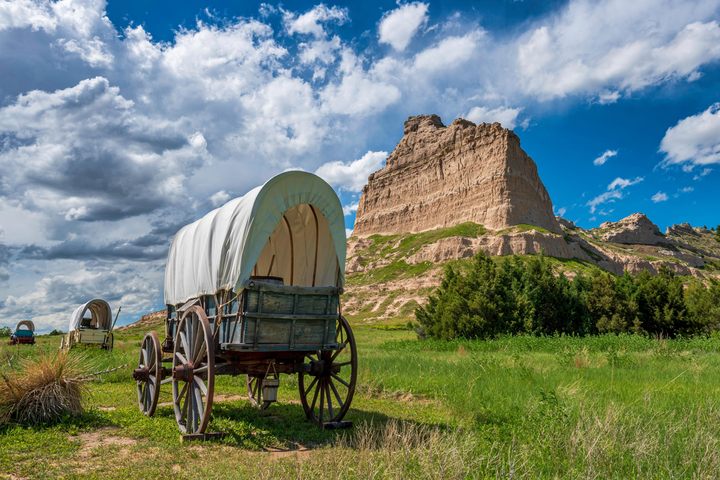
(599, 407)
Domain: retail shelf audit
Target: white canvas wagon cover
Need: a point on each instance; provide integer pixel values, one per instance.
(25, 323)
(291, 227)
(100, 311)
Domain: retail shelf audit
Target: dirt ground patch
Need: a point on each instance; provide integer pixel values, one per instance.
(228, 398)
(102, 439)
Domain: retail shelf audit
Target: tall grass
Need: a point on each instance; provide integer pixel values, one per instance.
(42, 390)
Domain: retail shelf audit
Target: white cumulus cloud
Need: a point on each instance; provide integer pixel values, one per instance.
(310, 22)
(659, 197)
(607, 154)
(352, 176)
(614, 192)
(399, 26)
(694, 140)
(219, 198)
(507, 116)
(605, 48)
(350, 209)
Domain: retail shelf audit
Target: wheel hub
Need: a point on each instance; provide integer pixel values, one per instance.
(141, 374)
(183, 372)
(317, 368)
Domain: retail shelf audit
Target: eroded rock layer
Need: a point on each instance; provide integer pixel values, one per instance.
(440, 176)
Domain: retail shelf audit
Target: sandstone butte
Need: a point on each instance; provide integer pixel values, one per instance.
(439, 176)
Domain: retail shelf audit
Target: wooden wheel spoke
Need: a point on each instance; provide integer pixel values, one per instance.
(329, 401)
(143, 398)
(184, 342)
(198, 351)
(335, 392)
(188, 403)
(199, 356)
(322, 403)
(198, 405)
(201, 369)
(338, 351)
(342, 364)
(146, 362)
(188, 336)
(340, 380)
(312, 384)
(182, 393)
(200, 384)
(181, 357)
(317, 390)
(194, 326)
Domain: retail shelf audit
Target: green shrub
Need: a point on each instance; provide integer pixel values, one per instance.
(5, 332)
(518, 296)
(525, 295)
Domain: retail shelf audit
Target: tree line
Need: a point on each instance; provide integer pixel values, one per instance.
(525, 295)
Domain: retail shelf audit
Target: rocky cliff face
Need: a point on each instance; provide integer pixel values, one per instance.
(634, 229)
(440, 176)
(448, 193)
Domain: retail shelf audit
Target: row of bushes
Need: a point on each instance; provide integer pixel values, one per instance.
(525, 295)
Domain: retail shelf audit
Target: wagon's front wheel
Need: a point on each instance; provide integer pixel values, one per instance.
(193, 373)
(148, 375)
(328, 386)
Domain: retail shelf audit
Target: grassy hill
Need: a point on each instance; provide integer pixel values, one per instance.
(388, 276)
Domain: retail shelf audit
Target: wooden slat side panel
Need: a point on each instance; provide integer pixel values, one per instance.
(277, 332)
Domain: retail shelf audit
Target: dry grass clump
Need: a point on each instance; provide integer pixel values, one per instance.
(42, 390)
(406, 449)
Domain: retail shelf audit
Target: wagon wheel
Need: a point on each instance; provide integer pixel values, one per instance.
(193, 374)
(149, 374)
(254, 388)
(330, 379)
(109, 342)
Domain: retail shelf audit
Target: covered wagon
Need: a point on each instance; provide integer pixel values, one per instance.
(254, 288)
(24, 333)
(90, 324)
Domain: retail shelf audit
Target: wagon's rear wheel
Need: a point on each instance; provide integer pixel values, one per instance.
(148, 375)
(109, 342)
(193, 373)
(255, 392)
(326, 391)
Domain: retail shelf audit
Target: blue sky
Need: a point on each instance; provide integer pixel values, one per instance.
(562, 136)
(122, 121)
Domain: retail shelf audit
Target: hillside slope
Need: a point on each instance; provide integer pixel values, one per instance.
(389, 275)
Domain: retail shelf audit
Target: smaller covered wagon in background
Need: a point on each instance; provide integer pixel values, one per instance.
(254, 288)
(24, 333)
(91, 324)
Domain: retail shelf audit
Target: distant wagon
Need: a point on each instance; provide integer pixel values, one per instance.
(254, 288)
(91, 324)
(24, 333)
